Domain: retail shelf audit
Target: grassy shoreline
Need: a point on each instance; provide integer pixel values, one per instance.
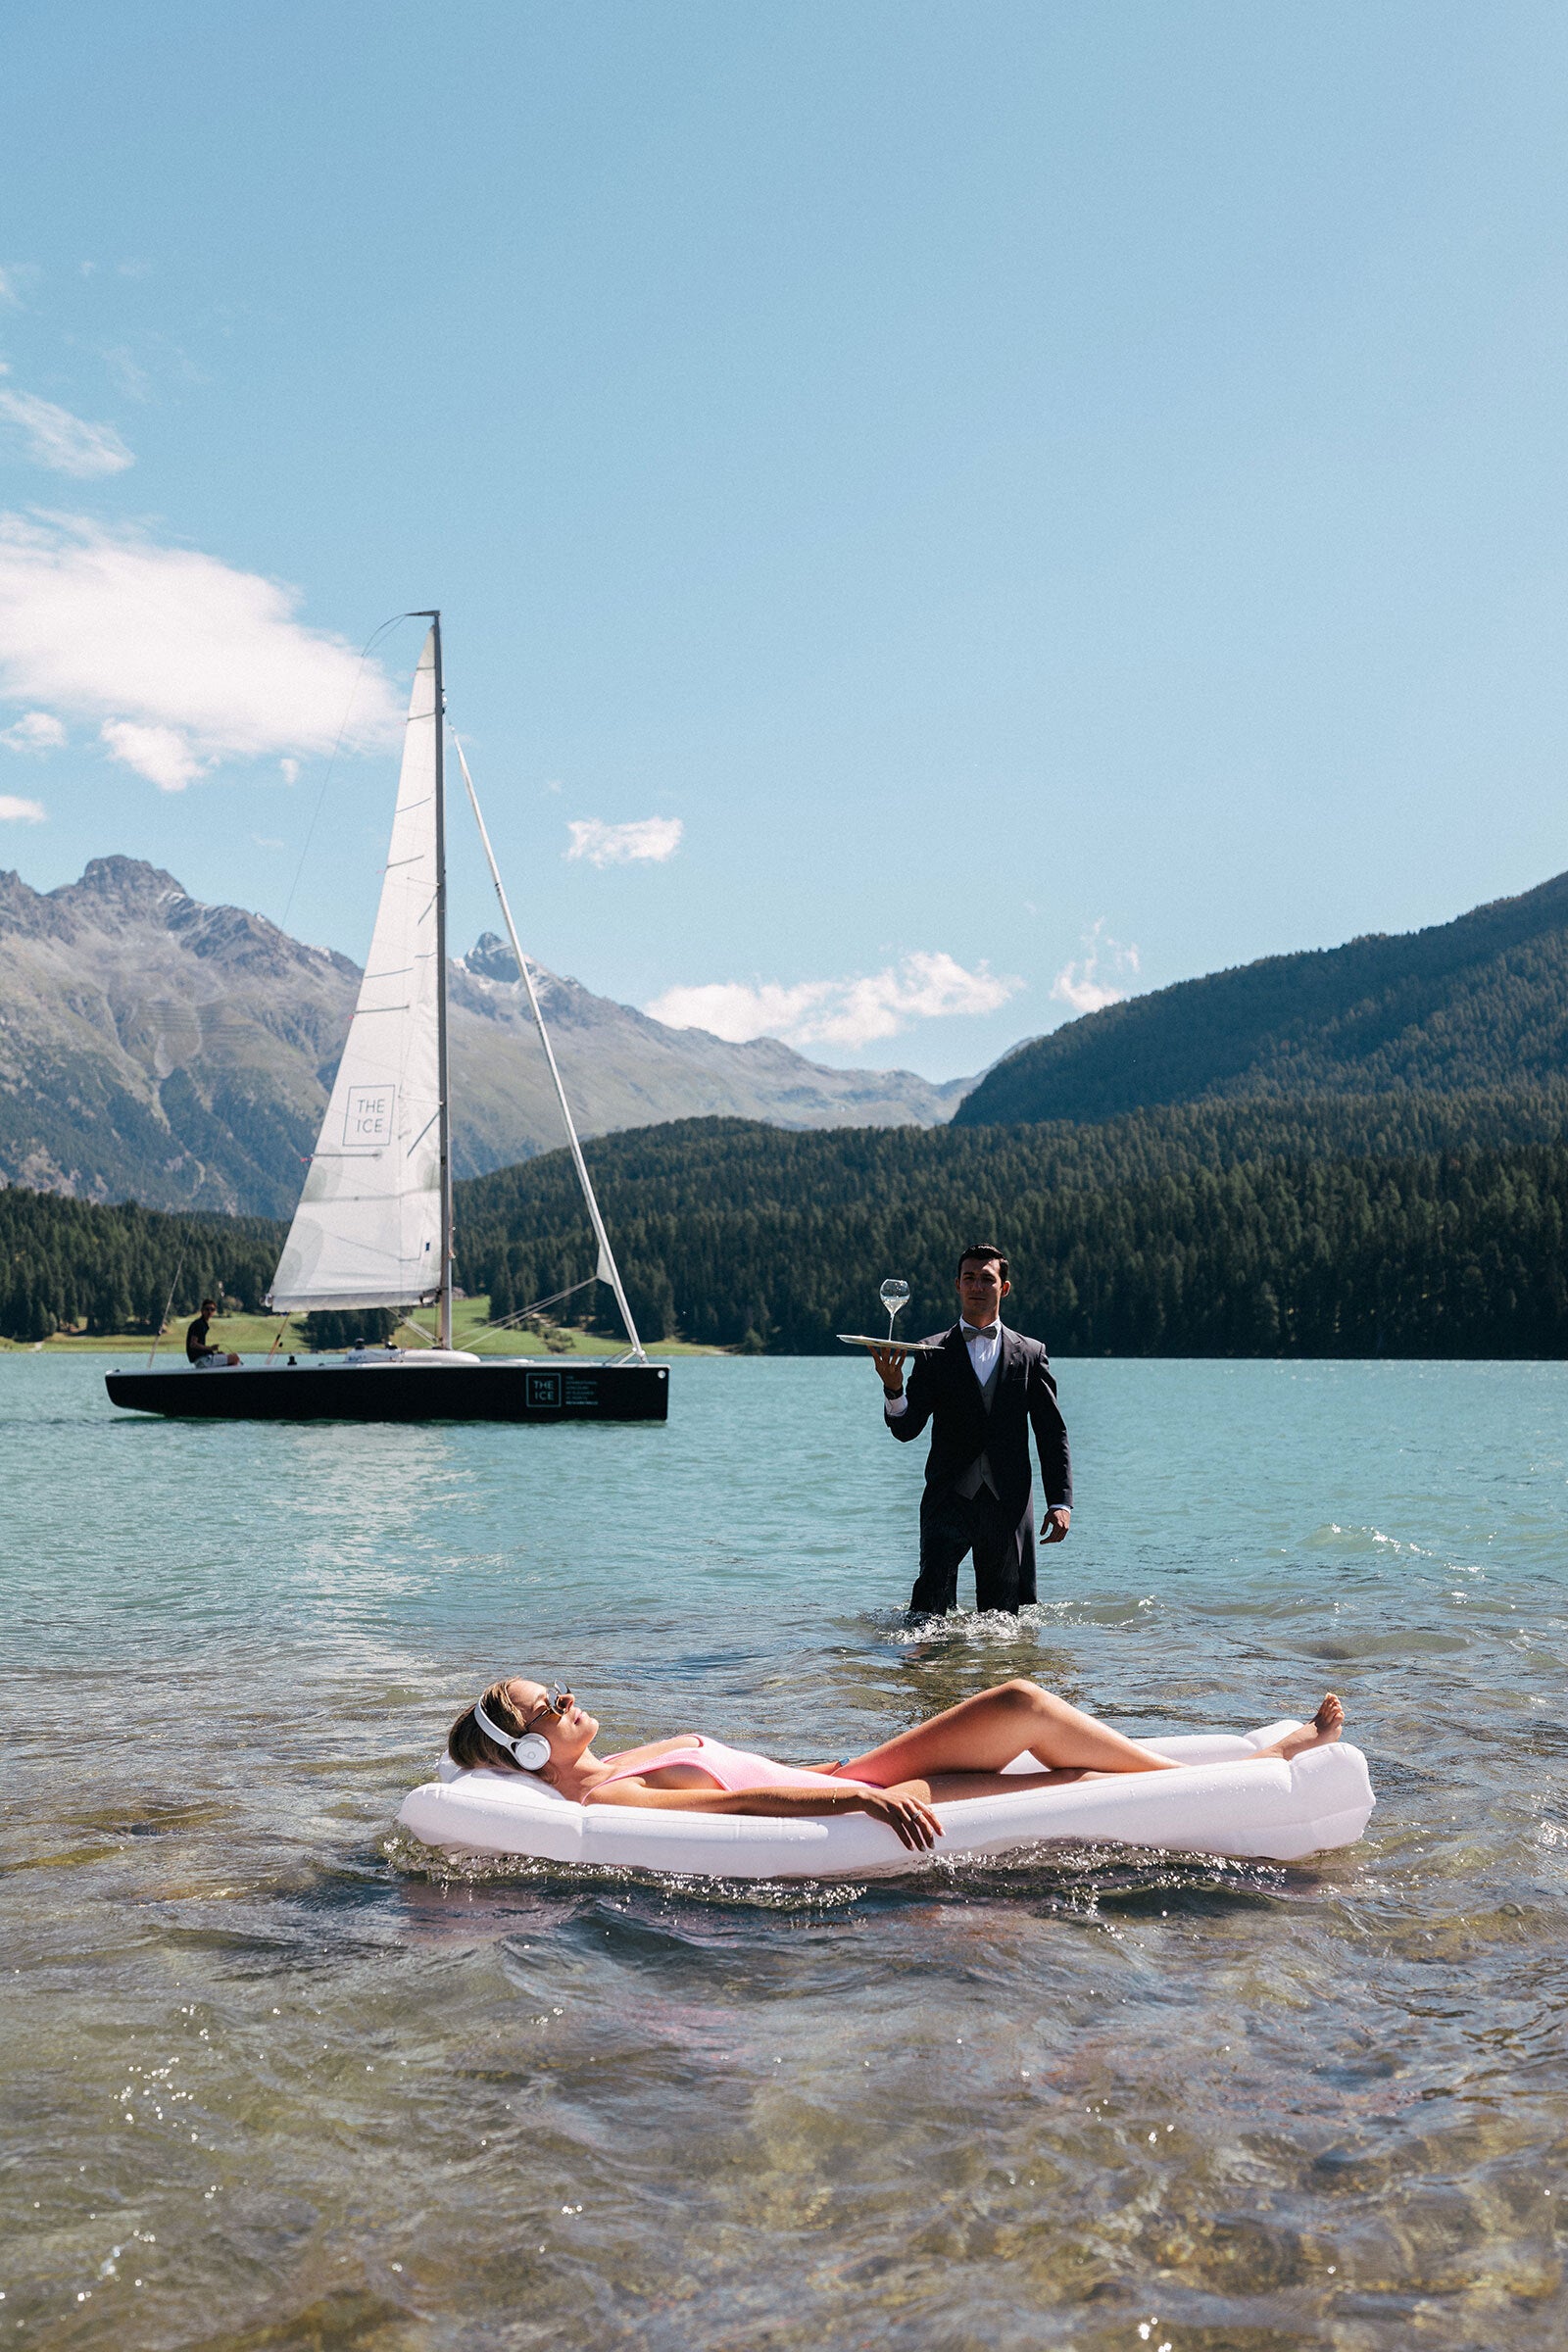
(254, 1335)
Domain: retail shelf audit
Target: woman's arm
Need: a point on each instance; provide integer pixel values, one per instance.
(905, 1808)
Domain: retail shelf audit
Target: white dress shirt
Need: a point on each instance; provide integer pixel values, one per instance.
(984, 1345)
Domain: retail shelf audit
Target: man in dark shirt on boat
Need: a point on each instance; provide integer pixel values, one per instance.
(982, 1387)
(197, 1348)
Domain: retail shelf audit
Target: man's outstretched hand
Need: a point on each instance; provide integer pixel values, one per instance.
(889, 1362)
(1057, 1521)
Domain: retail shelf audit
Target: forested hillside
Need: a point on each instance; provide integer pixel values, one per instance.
(1335, 1226)
(1398, 1225)
(1479, 1003)
(65, 1262)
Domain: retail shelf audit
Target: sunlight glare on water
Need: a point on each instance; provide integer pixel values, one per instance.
(275, 2075)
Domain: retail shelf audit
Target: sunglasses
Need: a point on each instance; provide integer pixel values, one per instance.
(557, 1699)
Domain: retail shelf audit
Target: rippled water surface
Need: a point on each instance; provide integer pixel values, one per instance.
(272, 2078)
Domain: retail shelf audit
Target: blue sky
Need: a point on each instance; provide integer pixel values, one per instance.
(964, 508)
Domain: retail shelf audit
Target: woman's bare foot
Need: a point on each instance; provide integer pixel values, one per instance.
(1325, 1727)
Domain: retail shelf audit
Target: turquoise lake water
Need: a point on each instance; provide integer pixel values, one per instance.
(273, 2078)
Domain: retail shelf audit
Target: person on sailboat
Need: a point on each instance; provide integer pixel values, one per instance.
(522, 1726)
(198, 1349)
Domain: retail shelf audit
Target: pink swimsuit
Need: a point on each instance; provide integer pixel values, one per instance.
(735, 1769)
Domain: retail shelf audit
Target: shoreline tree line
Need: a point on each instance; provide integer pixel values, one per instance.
(1398, 1225)
(1347, 1227)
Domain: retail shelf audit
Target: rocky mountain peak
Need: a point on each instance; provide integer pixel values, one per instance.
(156, 1046)
(491, 959)
(113, 894)
(125, 886)
(20, 906)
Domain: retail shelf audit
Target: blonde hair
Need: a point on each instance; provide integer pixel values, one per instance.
(469, 1747)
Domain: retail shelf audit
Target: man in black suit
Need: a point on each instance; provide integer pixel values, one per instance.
(982, 1392)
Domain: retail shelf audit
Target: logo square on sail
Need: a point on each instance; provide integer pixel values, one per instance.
(367, 1121)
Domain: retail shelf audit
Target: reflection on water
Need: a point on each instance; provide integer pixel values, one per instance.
(274, 2076)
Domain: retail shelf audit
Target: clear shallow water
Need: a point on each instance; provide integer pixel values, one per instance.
(270, 2079)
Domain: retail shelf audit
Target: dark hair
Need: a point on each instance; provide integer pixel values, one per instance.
(468, 1746)
(983, 1250)
(208, 1307)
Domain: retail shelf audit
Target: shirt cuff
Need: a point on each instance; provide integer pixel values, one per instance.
(1065, 1508)
(896, 1406)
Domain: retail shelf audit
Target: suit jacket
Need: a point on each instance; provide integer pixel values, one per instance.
(944, 1391)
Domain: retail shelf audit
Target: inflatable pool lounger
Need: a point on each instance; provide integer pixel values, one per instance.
(1266, 1810)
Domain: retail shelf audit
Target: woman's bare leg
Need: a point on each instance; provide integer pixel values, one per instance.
(982, 1735)
(986, 1732)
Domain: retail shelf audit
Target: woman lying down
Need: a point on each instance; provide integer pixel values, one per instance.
(534, 1728)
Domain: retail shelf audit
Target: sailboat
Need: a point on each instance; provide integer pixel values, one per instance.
(373, 1226)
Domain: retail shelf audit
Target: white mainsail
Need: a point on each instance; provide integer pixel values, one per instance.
(368, 1229)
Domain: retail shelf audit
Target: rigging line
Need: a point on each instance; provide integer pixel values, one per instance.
(608, 1271)
(520, 1315)
(321, 799)
(167, 1303)
(406, 1322)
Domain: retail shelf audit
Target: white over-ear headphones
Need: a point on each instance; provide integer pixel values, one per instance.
(532, 1750)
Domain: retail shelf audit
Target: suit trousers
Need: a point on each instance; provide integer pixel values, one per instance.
(1003, 1549)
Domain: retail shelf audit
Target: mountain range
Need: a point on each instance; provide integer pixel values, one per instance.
(155, 1048)
(1480, 1003)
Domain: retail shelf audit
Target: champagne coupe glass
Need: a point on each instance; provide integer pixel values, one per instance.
(894, 1297)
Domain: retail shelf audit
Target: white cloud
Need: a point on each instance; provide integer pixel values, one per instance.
(66, 444)
(1095, 979)
(178, 658)
(34, 731)
(160, 753)
(847, 1014)
(651, 838)
(17, 811)
(291, 769)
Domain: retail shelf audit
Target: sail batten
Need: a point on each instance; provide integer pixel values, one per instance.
(369, 1235)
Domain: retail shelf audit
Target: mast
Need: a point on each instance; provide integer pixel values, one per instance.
(444, 1112)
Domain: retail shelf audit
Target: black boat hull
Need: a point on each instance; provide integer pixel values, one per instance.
(507, 1391)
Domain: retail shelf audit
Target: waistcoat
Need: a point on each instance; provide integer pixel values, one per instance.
(978, 1474)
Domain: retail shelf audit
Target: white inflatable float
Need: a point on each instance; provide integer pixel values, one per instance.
(1266, 1810)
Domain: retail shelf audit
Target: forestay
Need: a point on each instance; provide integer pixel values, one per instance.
(368, 1229)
